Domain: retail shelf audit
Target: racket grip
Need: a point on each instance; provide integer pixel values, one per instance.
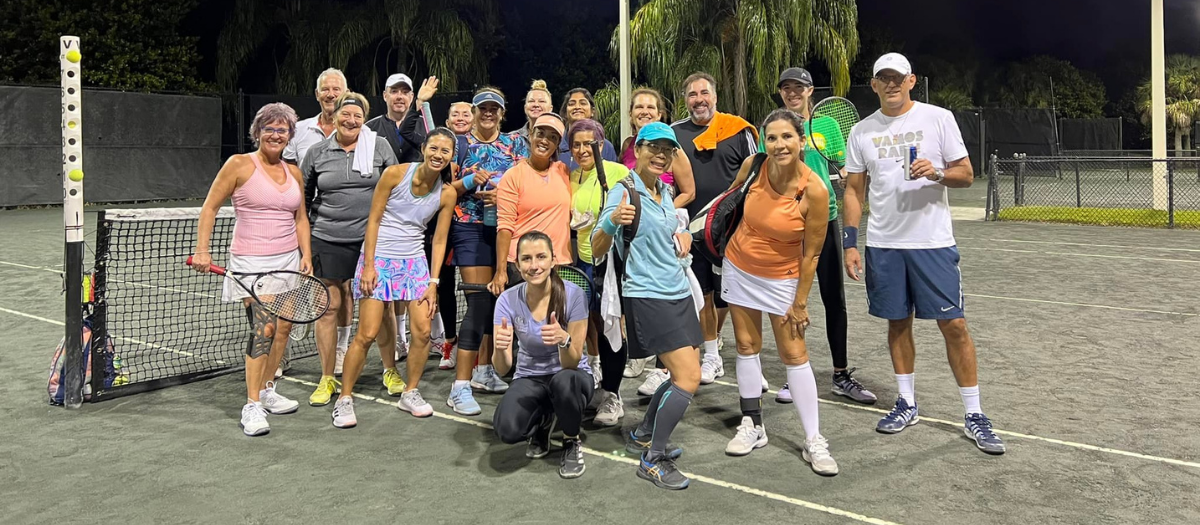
(473, 287)
(427, 115)
(211, 267)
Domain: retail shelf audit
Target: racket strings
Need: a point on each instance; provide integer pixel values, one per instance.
(293, 297)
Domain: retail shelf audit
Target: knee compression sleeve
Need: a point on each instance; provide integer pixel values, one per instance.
(477, 322)
(262, 331)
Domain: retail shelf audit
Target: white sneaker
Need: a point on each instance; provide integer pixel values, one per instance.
(449, 355)
(654, 379)
(485, 378)
(749, 437)
(710, 369)
(254, 420)
(597, 372)
(784, 395)
(611, 410)
(401, 350)
(274, 403)
(766, 387)
(816, 453)
(635, 367)
(338, 360)
(278, 372)
(343, 413)
(413, 403)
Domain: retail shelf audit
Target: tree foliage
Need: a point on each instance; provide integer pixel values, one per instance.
(126, 44)
(1183, 98)
(1027, 84)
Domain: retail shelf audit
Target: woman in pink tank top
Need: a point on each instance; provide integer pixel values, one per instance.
(271, 232)
(647, 107)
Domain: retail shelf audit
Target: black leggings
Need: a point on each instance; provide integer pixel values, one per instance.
(448, 303)
(612, 364)
(529, 400)
(833, 293)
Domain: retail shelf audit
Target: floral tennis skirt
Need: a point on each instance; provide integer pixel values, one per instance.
(399, 279)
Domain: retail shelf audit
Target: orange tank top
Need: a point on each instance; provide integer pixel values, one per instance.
(769, 240)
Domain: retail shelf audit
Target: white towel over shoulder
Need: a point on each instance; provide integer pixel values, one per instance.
(364, 151)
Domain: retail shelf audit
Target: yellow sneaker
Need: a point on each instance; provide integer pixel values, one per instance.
(393, 382)
(324, 392)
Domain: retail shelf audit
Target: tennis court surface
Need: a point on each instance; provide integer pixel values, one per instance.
(1088, 347)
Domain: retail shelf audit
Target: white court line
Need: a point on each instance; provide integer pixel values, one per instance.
(1056, 243)
(1075, 254)
(131, 283)
(959, 425)
(1064, 303)
(629, 461)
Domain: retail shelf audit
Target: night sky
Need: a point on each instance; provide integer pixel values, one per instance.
(1107, 37)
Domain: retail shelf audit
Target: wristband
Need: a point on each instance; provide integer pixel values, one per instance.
(435, 281)
(849, 237)
(469, 182)
(608, 226)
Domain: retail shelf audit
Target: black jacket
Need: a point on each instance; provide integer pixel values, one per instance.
(406, 143)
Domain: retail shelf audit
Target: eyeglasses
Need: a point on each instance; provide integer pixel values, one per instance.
(660, 149)
(890, 78)
(275, 131)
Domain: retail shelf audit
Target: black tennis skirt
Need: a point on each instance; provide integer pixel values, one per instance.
(658, 326)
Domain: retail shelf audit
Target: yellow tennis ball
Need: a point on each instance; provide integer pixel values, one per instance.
(71, 124)
(75, 175)
(73, 56)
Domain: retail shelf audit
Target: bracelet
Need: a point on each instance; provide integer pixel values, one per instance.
(849, 237)
(566, 342)
(435, 281)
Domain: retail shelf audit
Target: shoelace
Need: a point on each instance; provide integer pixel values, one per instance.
(747, 431)
(849, 380)
(446, 348)
(897, 411)
(342, 409)
(982, 425)
(611, 404)
(819, 447)
(415, 399)
(256, 412)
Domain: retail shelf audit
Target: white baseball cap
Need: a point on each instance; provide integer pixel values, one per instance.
(398, 78)
(893, 61)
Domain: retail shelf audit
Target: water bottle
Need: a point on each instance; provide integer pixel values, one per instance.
(489, 215)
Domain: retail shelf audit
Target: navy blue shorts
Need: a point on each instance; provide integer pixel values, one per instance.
(901, 281)
(474, 244)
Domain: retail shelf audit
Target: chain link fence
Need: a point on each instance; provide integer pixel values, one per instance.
(1112, 191)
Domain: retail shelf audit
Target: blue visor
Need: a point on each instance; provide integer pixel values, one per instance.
(488, 96)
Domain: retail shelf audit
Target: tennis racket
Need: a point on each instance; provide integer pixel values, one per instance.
(831, 121)
(567, 273)
(291, 296)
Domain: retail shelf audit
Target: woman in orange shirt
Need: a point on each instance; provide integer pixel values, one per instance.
(769, 267)
(533, 195)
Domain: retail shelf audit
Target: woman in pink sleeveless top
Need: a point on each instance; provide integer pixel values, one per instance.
(646, 107)
(271, 232)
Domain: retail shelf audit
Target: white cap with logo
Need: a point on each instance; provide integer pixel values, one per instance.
(893, 61)
(398, 78)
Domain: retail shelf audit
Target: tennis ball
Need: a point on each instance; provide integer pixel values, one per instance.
(73, 56)
(71, 124)
(75, 175)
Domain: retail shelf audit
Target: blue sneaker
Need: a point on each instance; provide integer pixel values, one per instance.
(901, 417)
(633, 445)
(979, 428)
(662, 473)
(463, 402)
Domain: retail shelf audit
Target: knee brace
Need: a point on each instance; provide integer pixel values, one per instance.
(477, 322)
(262, 331)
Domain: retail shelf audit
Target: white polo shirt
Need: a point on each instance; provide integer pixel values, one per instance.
(308, 132)
(906, 214)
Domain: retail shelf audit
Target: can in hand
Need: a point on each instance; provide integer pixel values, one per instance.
(910, 156)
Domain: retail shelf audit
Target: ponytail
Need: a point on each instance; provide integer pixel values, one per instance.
(558, 297)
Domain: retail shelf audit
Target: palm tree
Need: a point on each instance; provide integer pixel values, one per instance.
(744, 44)
(1183, 98)
(452, 39)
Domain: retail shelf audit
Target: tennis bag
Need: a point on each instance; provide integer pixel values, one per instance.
(714, 224)
(112, 365)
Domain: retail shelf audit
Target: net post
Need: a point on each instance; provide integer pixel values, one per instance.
(100, 306)
(1170, 193)
(69, 59)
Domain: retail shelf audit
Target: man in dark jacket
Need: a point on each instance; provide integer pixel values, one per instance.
(401, 124)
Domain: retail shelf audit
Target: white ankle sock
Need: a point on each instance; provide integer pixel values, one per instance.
(461, 383)
(803, 385)
(749, 376)
(710, 348)
(970, 397)
(906, 382)
(343, 337)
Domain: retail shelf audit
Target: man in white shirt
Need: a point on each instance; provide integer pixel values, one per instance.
(331, 83)
(912, 258)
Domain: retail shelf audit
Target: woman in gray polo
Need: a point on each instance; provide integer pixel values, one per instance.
(340, 174)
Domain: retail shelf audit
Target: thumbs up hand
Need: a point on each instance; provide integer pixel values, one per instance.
(552, 332)
(624, 213)
(502, 336)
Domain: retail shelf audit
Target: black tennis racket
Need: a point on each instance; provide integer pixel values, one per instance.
(567, 273)
(832, 119)
(291, 296)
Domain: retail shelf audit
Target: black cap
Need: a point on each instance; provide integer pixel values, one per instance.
(798, 74)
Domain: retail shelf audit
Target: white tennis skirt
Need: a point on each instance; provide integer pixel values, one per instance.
(258, 263)
(773, 296)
